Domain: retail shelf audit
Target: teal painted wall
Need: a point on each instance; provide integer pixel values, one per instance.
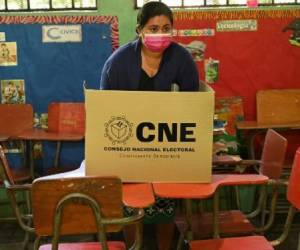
(124, 10)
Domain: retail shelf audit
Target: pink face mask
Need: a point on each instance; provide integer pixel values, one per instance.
(157, 42)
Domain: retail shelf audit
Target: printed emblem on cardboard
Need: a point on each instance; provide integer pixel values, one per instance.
(118, 129)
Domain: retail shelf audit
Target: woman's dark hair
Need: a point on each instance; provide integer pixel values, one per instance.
(152, 9)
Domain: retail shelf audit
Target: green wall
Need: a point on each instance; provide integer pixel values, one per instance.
(123, 9)
(126, 13)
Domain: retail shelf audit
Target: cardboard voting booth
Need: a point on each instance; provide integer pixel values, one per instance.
(150, 136)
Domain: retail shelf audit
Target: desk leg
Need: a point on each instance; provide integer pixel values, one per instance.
(24, 153)
(31, 159)
(249, 137)
(188, 215)
(263, 206)
(57, 154)
(251, 144)
(216, 214)
(26, 148)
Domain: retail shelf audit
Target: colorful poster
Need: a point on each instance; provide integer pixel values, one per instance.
(12, 91)
(8, 54)
(211, 68)
(229, 110)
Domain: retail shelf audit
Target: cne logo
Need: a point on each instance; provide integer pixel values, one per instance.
(118, 129)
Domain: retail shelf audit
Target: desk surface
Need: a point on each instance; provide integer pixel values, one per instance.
(141, 194)
(256, 125)
(41, 134)
(138, 195)
(205, 190)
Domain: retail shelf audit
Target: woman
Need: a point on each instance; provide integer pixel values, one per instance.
(153, 62)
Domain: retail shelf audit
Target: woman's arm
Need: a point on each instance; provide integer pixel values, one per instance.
(188, 76)
(105, 81)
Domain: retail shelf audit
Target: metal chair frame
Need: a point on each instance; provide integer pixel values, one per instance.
(83, 198)
(293, 189)
(261, 206)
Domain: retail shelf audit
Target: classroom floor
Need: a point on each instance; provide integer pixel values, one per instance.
(11, 236)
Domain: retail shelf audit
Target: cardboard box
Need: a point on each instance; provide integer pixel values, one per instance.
(150, 136)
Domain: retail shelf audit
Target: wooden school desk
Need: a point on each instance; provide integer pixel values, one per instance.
(190, 191)
(276, 109)
(137, 195)
(36, 134)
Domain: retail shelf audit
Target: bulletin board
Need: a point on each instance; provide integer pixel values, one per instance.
(55, 71)
(248, 49)
(48, 69)
(249, 58)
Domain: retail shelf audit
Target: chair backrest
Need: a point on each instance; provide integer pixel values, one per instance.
(293, 190)
(66, 118)
(278, 106)
(273, 154)
(15, 118)
(77, 217)
(5, 169)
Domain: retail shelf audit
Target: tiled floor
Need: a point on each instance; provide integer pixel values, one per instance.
(11, 236)
(292, 241)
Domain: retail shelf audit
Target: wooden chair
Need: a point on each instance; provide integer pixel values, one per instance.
(234, 222)
(14, 179)
(79, 206)
(13, 176)
(16, 118)
(271, 165)
(260, 242)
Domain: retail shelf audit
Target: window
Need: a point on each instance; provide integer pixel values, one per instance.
(46, 5)
(217, 3)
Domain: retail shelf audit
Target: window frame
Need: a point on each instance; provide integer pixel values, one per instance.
(227, 5)
(50, 9)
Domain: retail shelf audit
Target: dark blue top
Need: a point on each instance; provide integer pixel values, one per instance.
(146, 82)
(122, 70)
